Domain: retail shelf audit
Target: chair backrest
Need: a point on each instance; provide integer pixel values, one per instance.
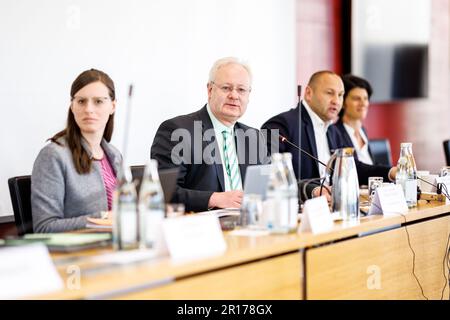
(447, 151)
(20, 191)
(380, 150)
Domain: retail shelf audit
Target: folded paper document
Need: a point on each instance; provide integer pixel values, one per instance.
(222, 212)
(94, 223)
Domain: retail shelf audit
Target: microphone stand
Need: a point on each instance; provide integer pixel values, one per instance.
(307, 182)
(439, 188)
(127, 125)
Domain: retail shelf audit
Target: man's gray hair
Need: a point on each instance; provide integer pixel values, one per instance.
(226, 61)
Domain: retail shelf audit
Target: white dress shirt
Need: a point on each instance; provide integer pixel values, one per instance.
(320, 134)
(219, 127)
(362, 153)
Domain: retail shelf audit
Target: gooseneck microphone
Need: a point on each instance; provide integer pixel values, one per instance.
(126, 132)
(441, 188)
(285, 140)
(328, 167)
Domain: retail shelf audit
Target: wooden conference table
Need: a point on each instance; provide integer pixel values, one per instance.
(370, 260)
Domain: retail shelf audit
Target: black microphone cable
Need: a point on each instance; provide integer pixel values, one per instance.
(410, 247)
(322, 179)
(445, 192)
(438, 187)
(445, 262)
(328, 170)
(306, 183)
(441, 188)
(327, 166)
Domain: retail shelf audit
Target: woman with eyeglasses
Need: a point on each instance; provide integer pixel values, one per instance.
(353, 112)
(74, 176)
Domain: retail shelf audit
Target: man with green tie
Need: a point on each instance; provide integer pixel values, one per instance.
(210, 147)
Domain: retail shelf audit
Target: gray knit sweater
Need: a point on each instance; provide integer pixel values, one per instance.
(61, 198)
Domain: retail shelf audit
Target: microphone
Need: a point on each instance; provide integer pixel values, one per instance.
(441, 191)
(285, 140)
(327, 166)
(299, 93)
(127, 124)
(307, 182)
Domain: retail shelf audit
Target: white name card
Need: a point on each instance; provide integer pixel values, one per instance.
(27, 271)
(429, 185)
(193, 237)
(388, 199)
(445, 180)
(316, 216)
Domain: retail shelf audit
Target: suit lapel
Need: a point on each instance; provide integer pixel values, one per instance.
(332, 142)
(309, 130)
(207, 125)
(241, 151)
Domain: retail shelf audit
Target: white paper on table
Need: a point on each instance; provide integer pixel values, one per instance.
(316, 216)
(194, 237)
(249, 232)
(388, 199)
(125, 257)
(27, 271)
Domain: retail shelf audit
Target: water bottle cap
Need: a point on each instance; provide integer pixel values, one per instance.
(405, 144)
(277, 157)
(287, 155)
(345, 152)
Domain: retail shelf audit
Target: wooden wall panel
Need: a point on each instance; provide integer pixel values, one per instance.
(380, 266)
(272, 278)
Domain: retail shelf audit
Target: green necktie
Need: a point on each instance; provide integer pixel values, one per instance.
(231, 163)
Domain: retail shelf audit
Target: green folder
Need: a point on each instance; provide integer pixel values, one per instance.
(64, 242)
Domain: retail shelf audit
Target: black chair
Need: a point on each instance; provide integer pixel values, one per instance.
(20, 191)
(380, 149)
(447, 151)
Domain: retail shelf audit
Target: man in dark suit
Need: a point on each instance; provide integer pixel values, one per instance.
(312, 123)
(212, 149)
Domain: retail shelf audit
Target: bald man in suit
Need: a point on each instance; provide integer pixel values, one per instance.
(310, 126)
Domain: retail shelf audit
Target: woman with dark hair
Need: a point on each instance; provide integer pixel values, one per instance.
(353, 112)
(74, 176)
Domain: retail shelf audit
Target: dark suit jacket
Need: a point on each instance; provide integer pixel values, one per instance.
(201, 171)
(288, 124)
(346, 138)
